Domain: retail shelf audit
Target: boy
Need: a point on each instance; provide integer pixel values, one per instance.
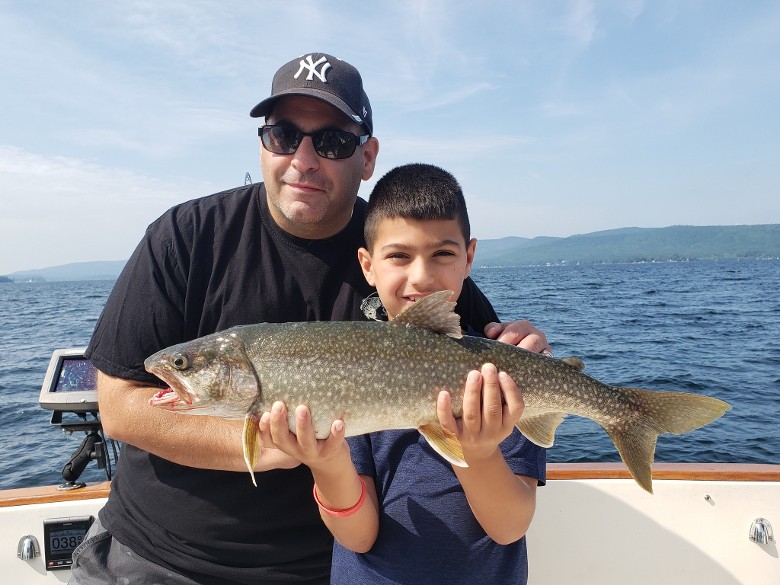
(400, 513)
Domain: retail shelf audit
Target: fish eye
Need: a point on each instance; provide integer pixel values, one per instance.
(180, 361)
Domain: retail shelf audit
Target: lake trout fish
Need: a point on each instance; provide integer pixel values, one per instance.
(378, 376)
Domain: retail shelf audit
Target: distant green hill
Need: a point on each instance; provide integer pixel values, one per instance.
(611, 246)
(98, 270)
(635, 245)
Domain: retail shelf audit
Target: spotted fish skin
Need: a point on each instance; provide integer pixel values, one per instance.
(387, 375)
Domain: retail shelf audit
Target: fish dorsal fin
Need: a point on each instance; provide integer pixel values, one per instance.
(444, 443)
(435, 313)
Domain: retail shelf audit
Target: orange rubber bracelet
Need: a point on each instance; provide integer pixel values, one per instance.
(346, 512)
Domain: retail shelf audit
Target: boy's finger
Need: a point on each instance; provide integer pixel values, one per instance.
(512, 395)
(472, 402)
(444, 412)
(304, 431)
(278, 425)
(492, 405)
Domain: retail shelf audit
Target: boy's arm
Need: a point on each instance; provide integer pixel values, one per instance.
(348, 502)
(502, 502)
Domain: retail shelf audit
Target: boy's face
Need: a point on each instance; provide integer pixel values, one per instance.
(411, 259)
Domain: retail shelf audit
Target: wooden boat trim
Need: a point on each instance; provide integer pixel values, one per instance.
(555, 471)
(49, 493)
(678, 471)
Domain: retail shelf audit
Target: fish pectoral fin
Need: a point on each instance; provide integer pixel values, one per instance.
(540, 428)
(251, 444)
(444, 443)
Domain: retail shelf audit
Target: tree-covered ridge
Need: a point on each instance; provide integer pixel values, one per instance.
(676, 243)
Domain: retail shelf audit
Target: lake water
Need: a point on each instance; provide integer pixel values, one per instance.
(703, 327)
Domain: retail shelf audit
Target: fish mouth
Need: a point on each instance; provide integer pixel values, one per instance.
(166, 398)
(178, 396)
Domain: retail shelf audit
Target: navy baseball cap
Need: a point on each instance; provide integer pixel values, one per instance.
(324, 77)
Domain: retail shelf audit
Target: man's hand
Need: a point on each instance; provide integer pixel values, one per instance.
(520, 333)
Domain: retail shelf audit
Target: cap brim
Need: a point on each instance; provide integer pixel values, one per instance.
(265, 107)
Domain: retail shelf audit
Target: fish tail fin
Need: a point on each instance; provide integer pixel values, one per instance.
(657, 413)
(444, 443)
(251, 444)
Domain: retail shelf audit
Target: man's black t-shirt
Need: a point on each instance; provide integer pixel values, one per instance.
(204, 266)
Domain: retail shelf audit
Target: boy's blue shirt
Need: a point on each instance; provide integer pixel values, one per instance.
(427, 531)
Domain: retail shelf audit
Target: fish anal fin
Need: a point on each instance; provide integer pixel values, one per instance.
(540, 428)
(444, 443)
(637, 450)
(251, 444)
(434, 312)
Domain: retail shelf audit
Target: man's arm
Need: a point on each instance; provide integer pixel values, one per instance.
(204, 442)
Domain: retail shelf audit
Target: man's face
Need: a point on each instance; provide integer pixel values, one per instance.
(310, 196)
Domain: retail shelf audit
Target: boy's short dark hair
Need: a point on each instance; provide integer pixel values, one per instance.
(416, 191)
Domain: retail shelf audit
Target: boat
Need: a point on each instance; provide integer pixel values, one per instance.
(704, 523)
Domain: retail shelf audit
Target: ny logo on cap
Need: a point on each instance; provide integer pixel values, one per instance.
(311, 66)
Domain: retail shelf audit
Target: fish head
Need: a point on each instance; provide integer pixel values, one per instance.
(211, 375)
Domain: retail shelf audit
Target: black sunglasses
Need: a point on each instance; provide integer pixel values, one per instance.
(333, 144)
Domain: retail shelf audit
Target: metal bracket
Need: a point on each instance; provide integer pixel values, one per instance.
(28, 548)
(761, 531)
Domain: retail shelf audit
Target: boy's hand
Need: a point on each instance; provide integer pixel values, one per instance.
(492, 404)
(302, 445)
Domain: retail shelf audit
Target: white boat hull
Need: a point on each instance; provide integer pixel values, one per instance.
(593, 525)
(689, 531)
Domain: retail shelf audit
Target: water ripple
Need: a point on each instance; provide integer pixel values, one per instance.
(704, 327)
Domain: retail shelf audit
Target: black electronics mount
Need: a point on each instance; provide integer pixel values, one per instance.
(69, 390)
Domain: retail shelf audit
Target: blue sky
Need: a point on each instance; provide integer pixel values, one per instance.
(558, 117)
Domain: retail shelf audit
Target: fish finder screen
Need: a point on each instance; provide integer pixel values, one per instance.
(76, 375)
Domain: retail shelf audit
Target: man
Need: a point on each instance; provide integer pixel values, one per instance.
(182, 510)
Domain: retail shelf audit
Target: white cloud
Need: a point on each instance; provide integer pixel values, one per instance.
(58, 210)
(579, 21)
(566, 107)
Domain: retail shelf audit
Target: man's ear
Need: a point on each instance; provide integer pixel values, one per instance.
(366, 265)
(370, 152)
